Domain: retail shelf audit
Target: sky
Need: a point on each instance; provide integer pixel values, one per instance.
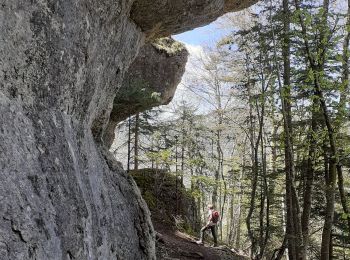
(209, 34)
(196, 42)
(204, 36)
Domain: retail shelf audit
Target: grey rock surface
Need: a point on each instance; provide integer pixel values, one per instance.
(151, 81)
(162, 18)
(63, 196)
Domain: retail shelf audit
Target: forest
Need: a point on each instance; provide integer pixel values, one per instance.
(262, 131)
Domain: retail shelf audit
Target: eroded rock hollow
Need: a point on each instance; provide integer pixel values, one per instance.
(63, 196)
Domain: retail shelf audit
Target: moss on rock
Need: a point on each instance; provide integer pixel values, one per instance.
(158, 189)
(168, 45)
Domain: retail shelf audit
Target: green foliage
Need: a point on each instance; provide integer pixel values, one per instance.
(161, 158)
(150, 199)
(168, 45)
(158, 188)
(138, 92)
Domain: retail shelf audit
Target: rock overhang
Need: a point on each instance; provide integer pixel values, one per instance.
(159, 18)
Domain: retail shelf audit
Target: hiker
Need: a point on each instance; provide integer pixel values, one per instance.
(213, 219)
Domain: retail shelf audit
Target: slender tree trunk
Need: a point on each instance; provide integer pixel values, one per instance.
(330, 201)
(254, 184)
(218, 172)
(223, 190)
(231, 227)
(265, 197)
(293, 229)
(264, 227)
(129, 144)
(307, 194)
(177, 177)
(330, 177)
(255, 169)
(263, 237)
(261, 221)
(239, 217)
(136, 142)
(183, 148)
(280, 252)
(217, 186)
(239, 213)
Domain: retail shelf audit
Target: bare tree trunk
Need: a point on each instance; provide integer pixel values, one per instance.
(238, 225)
(307, 192)
(265, 197)
(293, 229)
(222, 189)
(217, 186)
(255, 169)
(238, 233)
(182, 148)
(177, 177)
(330, 177)
(278, 254)
(264, 228)
(283, 250)
(136, 142)
(129, 144)
(231, 226)
(219, 170)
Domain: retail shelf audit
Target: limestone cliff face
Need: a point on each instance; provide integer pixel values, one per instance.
(150, 81)
(162, 18)
(63, 196)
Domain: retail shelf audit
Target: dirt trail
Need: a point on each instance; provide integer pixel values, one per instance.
(173, 244)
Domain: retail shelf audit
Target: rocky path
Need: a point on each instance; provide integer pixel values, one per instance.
(173, 244)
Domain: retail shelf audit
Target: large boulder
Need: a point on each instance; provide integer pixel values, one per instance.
(63, 196)
(150, 81)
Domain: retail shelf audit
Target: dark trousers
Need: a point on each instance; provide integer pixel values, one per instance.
(213, 232)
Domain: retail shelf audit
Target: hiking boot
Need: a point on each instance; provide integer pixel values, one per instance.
(199, 242)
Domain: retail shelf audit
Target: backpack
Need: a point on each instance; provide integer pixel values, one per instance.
(215, 216)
